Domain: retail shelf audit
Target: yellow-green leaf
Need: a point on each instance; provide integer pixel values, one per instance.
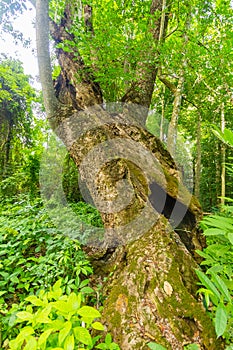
(64, 332)
(44, 336)
(82, 335)
(31, 344)
(220, 320)
(35, 301)
(98, 326)
(69, 343)
(88, 311)
(24, 316)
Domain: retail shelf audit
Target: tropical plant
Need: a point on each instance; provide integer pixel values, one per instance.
(54, 320)
(218, 261)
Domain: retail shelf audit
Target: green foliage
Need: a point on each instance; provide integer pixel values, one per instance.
(218, 260)
(218, 277)
(34, 253)
(226, 136)
(35, 256)
(21, 134)
(53, 319)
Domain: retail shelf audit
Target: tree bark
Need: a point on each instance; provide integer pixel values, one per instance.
(140, 92)
(172, 128)
(152, 292)
(223, 159)
(152, 295)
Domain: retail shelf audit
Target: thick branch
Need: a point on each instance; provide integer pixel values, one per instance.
(75, 85)
(166, 82)
(141, 91)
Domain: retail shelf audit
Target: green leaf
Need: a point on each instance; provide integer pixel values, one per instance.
(44, 336)
(214, 232)
(25, 332)
(221, 286)
(69, 343)
(108, 339)
(230, 237)
(218, 133)
(98, 326)
(87, 290)
(24, 316)
(31, 344)
(84, 283)
(35, 301)
(228, 136)
(61, 306)
(82, 335)
(191, 347)
(207, 283)
(113, 346)
(101, 346)
(14, 279)
(220, 320)
(73, 302)
(88, 311)
(64, 332)
(57, 285)
(218, 221)
(155, 346)
(42, 315)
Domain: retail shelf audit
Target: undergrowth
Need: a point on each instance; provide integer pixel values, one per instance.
(43, 275)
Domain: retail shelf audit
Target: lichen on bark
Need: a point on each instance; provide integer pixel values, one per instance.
(152, 295)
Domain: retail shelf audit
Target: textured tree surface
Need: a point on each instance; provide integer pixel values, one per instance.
(151, 295)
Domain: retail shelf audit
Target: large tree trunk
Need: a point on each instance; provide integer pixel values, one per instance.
(152, 292)
(152, 295)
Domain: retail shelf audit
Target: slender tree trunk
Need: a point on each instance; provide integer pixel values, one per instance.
(161, 129)
(52, 105)
(172, 129)
(197, 179)
(223, 156)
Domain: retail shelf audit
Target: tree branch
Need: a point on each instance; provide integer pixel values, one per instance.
(166, 82)
(142, 89)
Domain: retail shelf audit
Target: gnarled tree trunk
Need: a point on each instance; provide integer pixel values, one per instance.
(151, 295)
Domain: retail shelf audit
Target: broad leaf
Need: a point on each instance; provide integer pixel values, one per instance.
(98, 326)
(221, 286)
(82, 335)
(155, 346)
(88, 311)
(220, 320)
(35, 301)
(207, 283)
(69, 343)
(64, 332)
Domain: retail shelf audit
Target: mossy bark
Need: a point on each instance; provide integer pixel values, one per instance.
(151, 295)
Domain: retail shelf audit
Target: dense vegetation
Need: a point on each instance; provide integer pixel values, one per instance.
(48, 298)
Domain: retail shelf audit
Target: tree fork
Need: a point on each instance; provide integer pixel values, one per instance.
(151, 295)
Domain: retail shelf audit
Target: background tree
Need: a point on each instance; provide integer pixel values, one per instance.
(19, 157)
